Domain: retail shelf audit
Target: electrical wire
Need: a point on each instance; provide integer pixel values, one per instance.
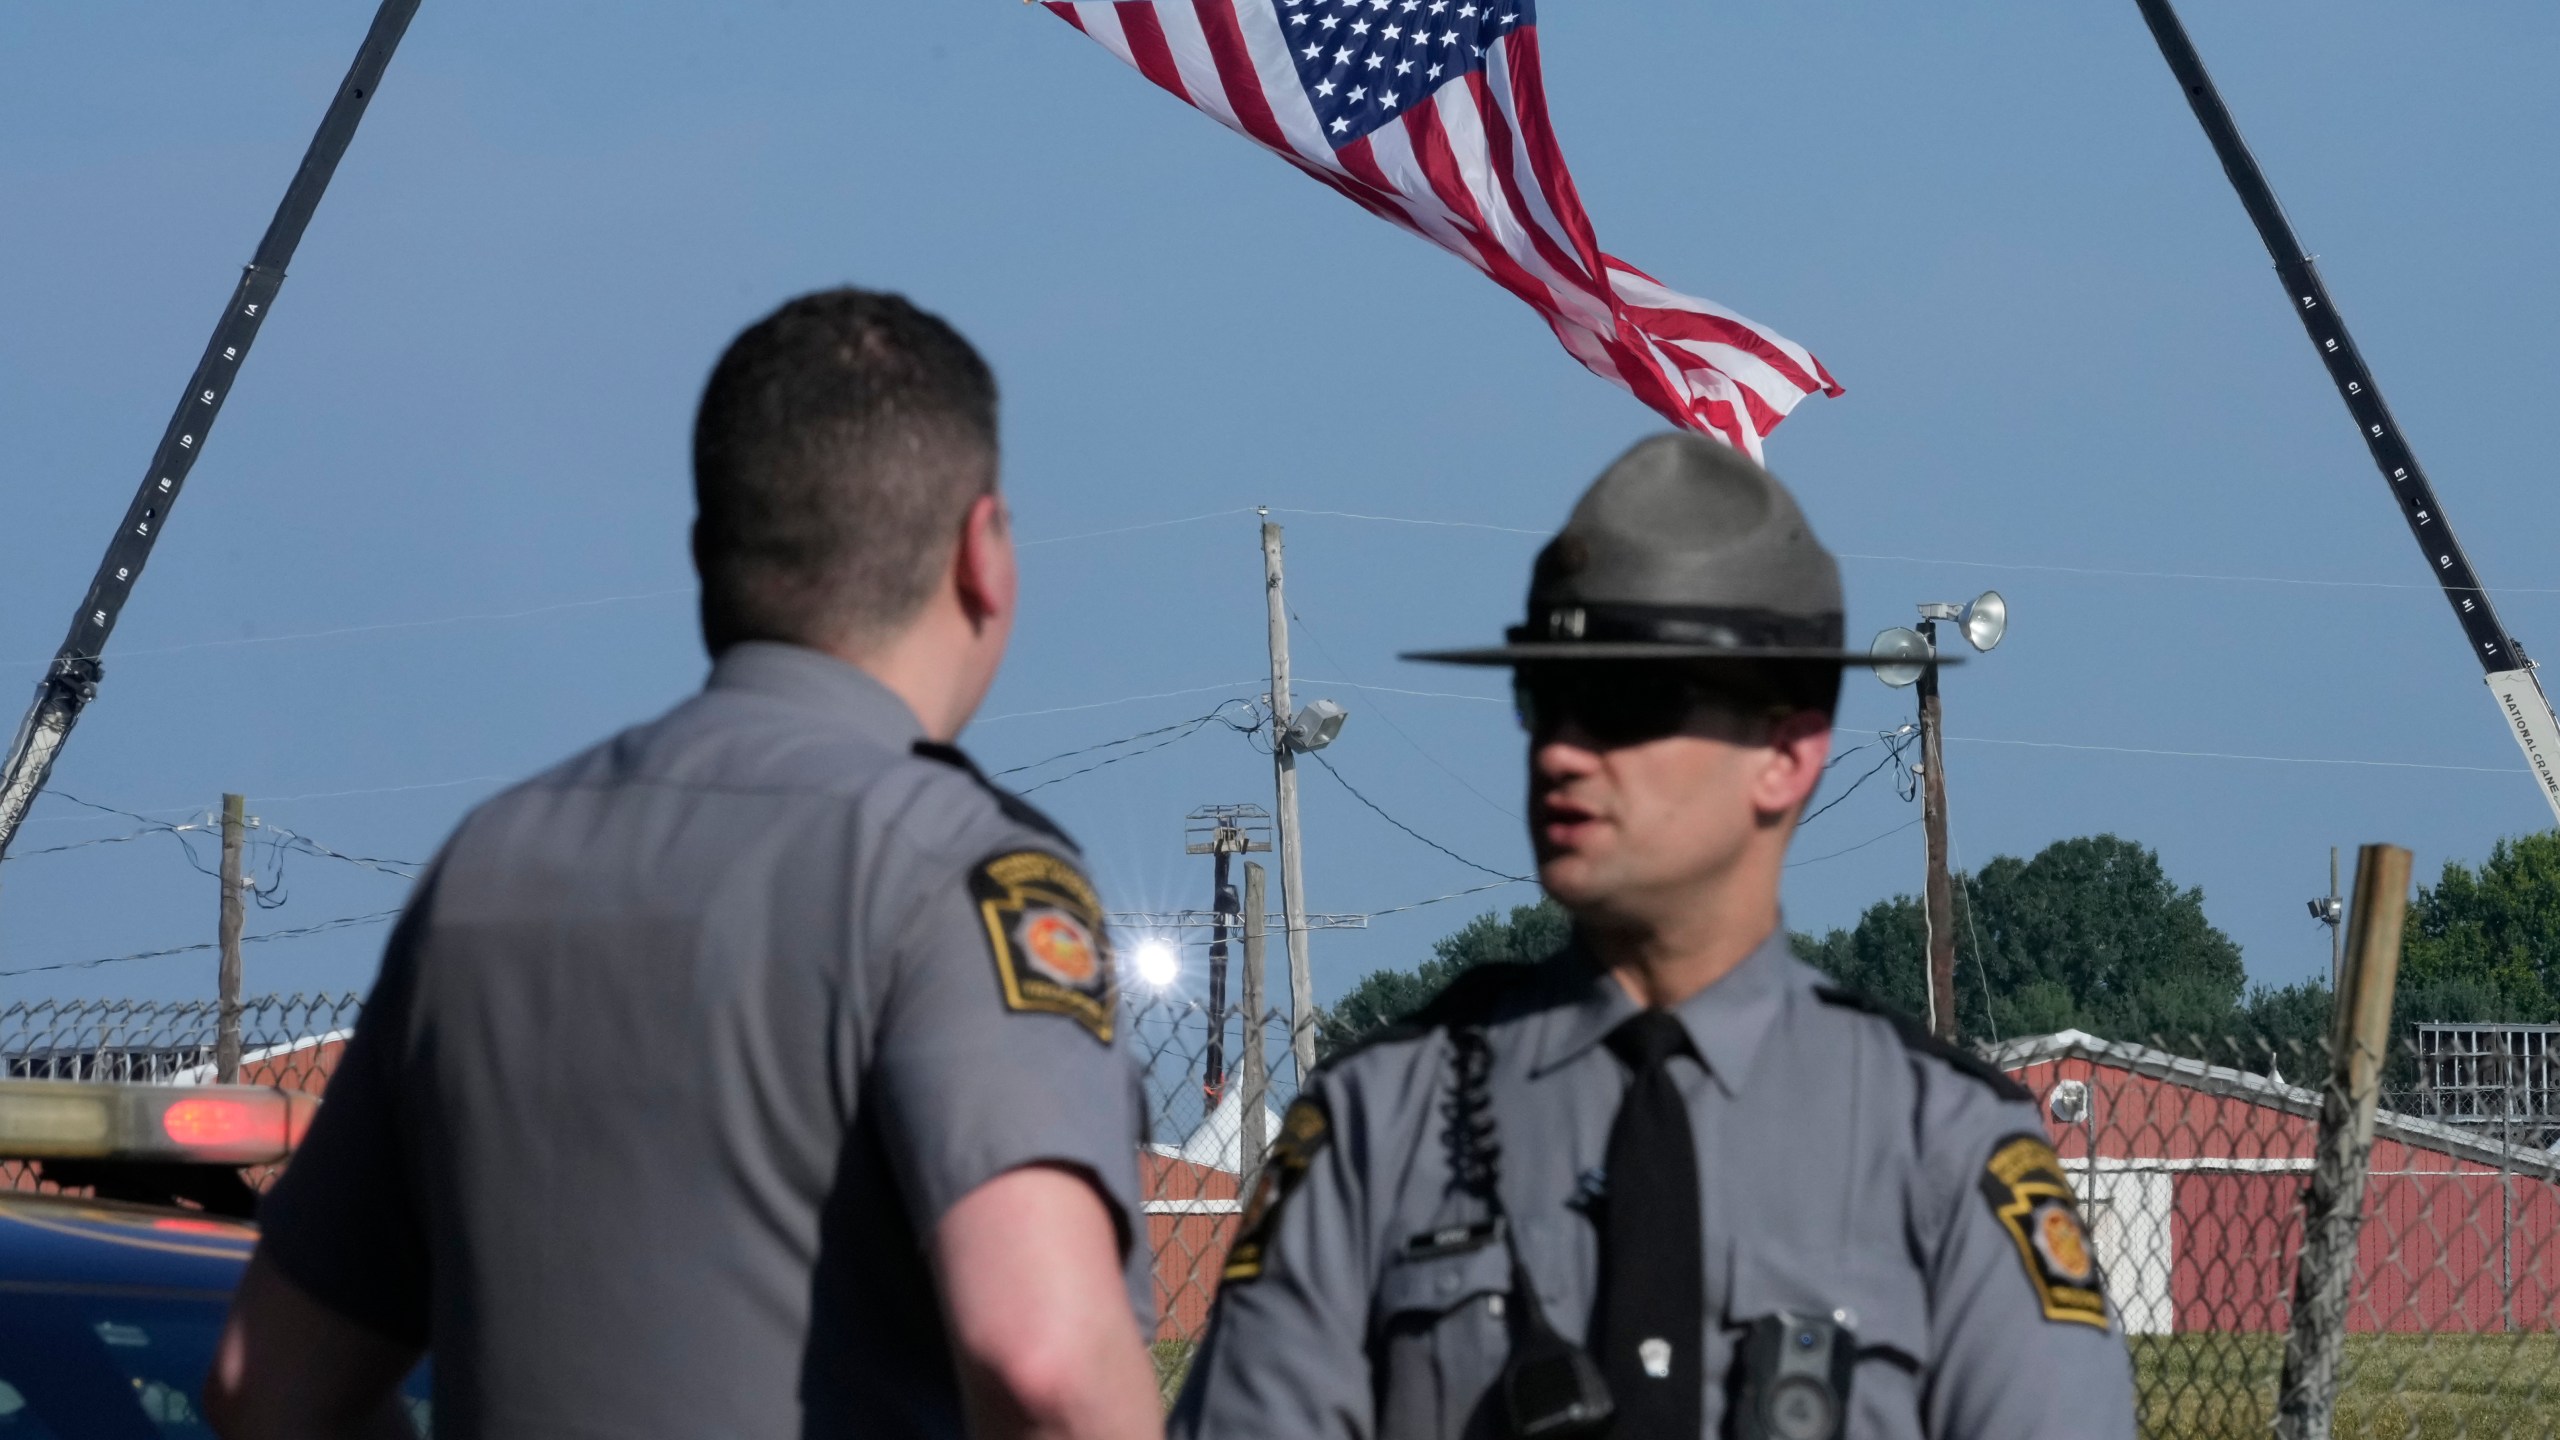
(1186, 731)
(1416, 745)
(1193, 722)
(1133, 529)
(343, 922)
(1504, 876)
(1895, 742)
(1861, 845)
(102, 840)
(2219, 755)
(1411, 520)
(1123, 700)
(1452, 895)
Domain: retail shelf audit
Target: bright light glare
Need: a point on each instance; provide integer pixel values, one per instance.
(1158, 966)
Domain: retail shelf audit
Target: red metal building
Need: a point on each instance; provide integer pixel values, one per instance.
(2193, 1175)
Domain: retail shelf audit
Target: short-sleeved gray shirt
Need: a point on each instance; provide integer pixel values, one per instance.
(680, 1052)
(1845, 1166)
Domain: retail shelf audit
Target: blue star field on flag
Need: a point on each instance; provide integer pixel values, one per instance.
(1366, 62)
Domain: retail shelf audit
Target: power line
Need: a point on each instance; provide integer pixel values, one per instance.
(2220, 755)
(1123, 700)
(1133, 529)
(1193, 723)
(1411, 520)
(1417, 746)
(1861, 845)
(102, 840)
(1452, 895)
(341, 923)
(1187, 730)
(1895, 742)
(1318, 757)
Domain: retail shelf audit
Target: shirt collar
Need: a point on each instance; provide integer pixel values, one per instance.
(810, 679)
(1726, 1021)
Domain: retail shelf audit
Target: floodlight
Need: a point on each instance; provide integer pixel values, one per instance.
(1986, 620)
(2070, 1101)
(1158, 966)
(1899, 656)
(1314, 727)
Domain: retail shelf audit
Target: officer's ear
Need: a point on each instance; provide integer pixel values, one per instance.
(1799, 745)
(982, 568)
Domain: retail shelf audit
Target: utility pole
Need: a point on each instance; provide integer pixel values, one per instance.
(1250, 1141)
(2331, 911)
(2337, 928)
(1284, 771)
(226, 1041)
(1940, 890)
(1221, 831)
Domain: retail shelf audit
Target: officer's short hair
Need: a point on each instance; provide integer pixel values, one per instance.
(840, 444)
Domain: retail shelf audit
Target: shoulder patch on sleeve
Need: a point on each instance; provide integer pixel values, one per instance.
(1304, 1132)
(1916, 1036)
(1016, 809)
(1044, 925)
(2031, 1198)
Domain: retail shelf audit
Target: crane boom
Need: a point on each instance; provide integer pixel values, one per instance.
(2521, 702)
(71, 681)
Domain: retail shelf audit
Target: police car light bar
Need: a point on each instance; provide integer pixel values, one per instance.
(187, 1124)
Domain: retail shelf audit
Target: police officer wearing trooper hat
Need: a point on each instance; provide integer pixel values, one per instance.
(1668, 1183)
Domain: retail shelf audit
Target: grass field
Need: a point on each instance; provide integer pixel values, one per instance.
(2398, 1387)
(1173, 1361)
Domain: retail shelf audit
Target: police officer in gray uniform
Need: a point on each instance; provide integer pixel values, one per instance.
(756, 1073)
(1668, 1183)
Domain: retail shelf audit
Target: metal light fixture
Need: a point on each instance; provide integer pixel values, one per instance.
(1898, 656)
(1985, 620)
(1314, 727)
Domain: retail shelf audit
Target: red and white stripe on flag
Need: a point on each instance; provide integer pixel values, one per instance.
(1459, 151)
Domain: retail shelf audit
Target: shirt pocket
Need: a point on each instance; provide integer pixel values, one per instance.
(1443, 1334)
(1884, 1305)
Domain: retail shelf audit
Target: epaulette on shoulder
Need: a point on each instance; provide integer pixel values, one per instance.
(1471, 999)
(1916, 1036)
(1017, 809)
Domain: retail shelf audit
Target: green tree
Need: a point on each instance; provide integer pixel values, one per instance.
(2090, 934)
(2485, 945)
(1533, 932)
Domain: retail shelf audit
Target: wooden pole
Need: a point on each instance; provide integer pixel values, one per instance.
(1284, 769)
(2333, 1207)
(1939, 893)
(1255, 1078)
(226, 1042)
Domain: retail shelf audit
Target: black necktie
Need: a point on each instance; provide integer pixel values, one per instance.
(1651, 1317)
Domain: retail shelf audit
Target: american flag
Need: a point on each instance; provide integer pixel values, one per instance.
(1432, 114)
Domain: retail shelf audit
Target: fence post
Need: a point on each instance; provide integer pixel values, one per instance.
(1256, 1076)
(2333, 1208)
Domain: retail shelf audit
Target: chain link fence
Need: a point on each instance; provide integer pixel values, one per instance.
(292, 1041)
(2191, 1155)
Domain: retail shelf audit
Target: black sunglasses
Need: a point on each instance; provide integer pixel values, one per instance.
(1617, 705)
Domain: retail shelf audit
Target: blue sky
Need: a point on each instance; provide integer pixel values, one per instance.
(2070, 374)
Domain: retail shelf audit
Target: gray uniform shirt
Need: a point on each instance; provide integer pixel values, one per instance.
(1843, 1167)
(680, 1052)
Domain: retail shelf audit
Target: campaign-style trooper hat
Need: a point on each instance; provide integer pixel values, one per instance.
(1683, 550)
